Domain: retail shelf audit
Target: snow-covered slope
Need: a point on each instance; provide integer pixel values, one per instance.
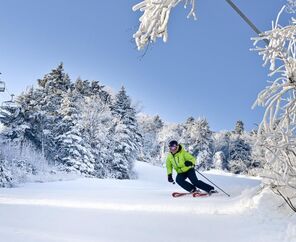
(93, 210)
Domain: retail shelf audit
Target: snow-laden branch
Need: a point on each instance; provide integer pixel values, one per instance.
(291, 6)
(280, 53)
(279, 99)
(154, 21)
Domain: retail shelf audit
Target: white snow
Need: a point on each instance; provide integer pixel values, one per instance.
(154, 21)
(95, 210)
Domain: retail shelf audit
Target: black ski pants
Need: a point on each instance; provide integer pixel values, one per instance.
(181, 180)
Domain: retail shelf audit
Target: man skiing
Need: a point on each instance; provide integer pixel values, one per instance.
(183, 163)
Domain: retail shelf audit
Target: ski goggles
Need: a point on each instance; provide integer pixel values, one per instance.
(173, 147)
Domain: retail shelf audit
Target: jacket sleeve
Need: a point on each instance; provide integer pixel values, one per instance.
(169, 166)
(189, 157)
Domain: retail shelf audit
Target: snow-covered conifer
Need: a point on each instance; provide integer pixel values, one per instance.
(222, 144)
(127, 137)
(52, 87)
(73, 151)
(150, 127)
(198, 136)
(96, 123)
(239, 127)
(6, 177)
(219, 160)
(240, 155)
(99, 90)
(25, 125)
(187, 135)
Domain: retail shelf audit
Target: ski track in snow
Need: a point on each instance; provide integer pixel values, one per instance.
(235, 208)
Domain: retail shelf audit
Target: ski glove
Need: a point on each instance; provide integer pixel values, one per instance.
(188, 163)
(170, 178)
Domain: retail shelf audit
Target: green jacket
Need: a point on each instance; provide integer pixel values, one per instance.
(177, 161)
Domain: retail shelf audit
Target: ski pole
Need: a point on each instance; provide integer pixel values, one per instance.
(213, 183)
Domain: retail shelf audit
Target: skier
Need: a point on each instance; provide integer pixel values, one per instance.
(183, 163)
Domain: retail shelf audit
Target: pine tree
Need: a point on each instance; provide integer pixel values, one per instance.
(6, 176)
(37, 118)
(219, 160)
(99, 91)
(127, 138)
(150, 127)
(74, 152)
(240, 155)
(51, 90)
(222, 144)
(9, 111)
(239, 128)
(13, 122)
(54, 85)
(187, 136)
(96, 123)
(23, 126)
(198, 137)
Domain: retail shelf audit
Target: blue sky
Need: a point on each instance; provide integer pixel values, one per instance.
(206, 68)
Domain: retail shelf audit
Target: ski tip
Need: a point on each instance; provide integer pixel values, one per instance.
(177, 194)
(180, 194)
(194, 194)
(200, 194)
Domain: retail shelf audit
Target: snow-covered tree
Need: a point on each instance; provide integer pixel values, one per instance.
(96, 122)
(25, 125)
(48, 118)
(150, 126)
(258, 153)
(127, 137)
(52, 87)
(76, 126)
(239, 155)
(83, 129)
(222, 143)
(99, 90)
(14, 123)
(279, 99)
(9, 111)
(6, 176)
(219, 161)
(20, 163)
(198, 137)
(154, 21)
(239, 127)
(188, 138)
(74, 152)
(85, 88)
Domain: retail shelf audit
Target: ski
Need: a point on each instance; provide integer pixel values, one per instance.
(194, 194)
(181, 194)
(200, 194)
